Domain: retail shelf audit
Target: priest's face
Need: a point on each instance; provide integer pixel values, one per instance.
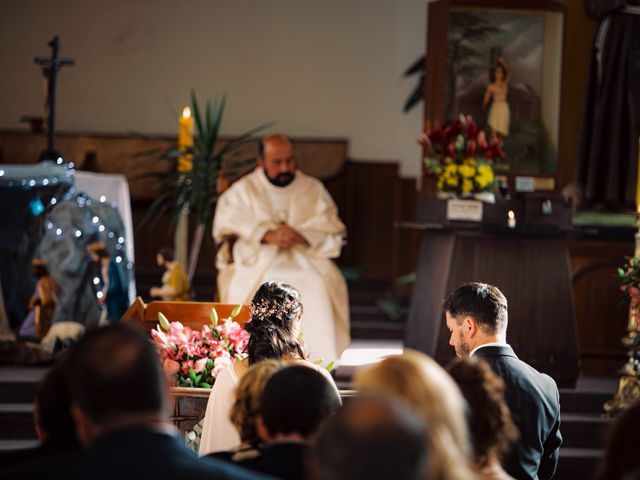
(278, 161)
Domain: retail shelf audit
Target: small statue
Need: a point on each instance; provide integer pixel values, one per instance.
(42, 304)
(496, 92)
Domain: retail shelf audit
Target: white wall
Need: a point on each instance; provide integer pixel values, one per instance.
(317, 67)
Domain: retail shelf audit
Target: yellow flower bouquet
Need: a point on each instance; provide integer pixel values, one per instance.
(460, 157)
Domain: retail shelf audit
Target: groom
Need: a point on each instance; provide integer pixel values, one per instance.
(476, 315)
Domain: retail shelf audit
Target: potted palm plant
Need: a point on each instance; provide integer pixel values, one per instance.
(198, 174)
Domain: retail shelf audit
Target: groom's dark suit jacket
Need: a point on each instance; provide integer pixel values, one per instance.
(534, 402)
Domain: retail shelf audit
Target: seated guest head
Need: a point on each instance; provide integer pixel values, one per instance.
(246, 407)
(373, 438)
(52, 412)
(295, 403)
(621, 461)
(420, 382)
(490, 424)
(277, 158)
(116, 381)
(476, 314)
(274, 326)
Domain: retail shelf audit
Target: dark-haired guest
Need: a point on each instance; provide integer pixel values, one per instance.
(295, 403)
(477, 317)
(119, 404)
(621, 460)
(175, 282)
(490, 424)
(53, 422)
(373, 438)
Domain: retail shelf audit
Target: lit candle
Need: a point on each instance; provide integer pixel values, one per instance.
(185, 140)
(511, 219)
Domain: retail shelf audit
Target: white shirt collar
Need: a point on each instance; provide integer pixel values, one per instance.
(490, 344)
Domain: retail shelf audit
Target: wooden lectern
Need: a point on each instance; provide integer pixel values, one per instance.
(528, 262)
(190, 314)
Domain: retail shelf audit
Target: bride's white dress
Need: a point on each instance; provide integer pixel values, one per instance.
(218, 433)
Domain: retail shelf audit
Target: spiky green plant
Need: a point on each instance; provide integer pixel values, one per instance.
(196, 190)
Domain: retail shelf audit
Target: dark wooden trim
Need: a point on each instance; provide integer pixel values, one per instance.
(542, 5)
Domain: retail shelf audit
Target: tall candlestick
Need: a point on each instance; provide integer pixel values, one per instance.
(185, 140)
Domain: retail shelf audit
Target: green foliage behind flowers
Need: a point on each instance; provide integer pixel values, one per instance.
(629, 278)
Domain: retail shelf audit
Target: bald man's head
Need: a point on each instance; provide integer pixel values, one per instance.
(115, 373)
(277, 159)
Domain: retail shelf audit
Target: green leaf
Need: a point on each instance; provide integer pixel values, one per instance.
(209, 364)
(408, 279)
(205, 385)
(192, 374)
(213, 317)
(620, 272)
(236, 311)
(164, 323)
(330, 366)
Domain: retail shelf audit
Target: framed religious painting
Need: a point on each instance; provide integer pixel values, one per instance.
(500, 61)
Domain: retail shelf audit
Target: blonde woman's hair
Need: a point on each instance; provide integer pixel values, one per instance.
(246, 407)
(426, 387)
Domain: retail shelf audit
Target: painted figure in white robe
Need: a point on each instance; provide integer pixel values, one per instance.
(278, 224)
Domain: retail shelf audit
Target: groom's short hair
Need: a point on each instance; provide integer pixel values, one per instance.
(486, 303)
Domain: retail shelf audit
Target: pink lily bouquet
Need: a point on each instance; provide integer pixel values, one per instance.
(197, 357)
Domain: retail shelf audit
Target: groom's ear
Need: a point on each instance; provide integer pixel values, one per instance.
(470, 326)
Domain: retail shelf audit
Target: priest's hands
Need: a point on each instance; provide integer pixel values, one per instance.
(284, 237)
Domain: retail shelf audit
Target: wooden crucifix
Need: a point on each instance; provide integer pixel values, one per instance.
(50, 68)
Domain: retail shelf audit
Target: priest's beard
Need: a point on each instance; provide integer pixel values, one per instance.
(282, 179)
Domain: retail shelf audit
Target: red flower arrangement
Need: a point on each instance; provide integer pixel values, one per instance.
(461, 157)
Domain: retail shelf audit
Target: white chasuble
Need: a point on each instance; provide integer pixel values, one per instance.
(251, 207)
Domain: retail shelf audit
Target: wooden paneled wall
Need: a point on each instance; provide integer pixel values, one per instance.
(600, 309)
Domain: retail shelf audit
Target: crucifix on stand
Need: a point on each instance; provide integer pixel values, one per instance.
(50, 68)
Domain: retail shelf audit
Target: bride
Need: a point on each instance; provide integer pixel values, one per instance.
(274, 326)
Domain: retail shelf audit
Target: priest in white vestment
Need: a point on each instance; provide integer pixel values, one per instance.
(286, 228)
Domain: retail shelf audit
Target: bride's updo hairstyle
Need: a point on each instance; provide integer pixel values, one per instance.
(275, 309)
